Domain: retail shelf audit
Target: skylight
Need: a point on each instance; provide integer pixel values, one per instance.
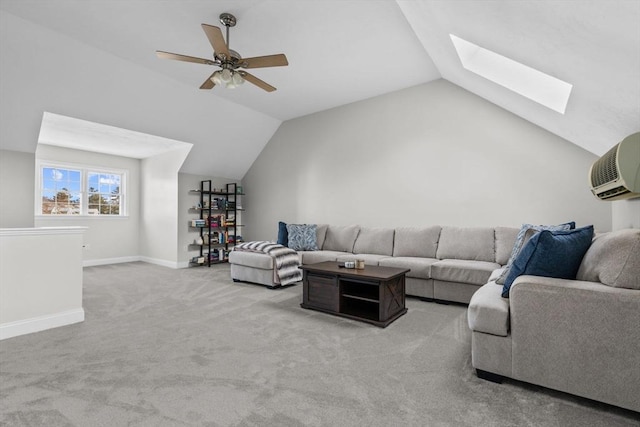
(542, 88)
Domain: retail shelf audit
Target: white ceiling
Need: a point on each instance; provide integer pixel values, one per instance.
(344, 51)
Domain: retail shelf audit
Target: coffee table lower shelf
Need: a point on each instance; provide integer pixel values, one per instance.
(375, 295)
(363, 317)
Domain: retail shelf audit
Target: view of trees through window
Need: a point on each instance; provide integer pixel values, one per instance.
(104, 194)
(63, 190)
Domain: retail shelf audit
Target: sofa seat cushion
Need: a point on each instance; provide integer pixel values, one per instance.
(488, 312)
(369, 259)
(463, 271)
(472, 243)
(313, 257)
(420, 267)
(251, 259)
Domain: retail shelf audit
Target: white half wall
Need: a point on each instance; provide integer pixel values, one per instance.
(431, 154)
(40, 279)
(16, 188)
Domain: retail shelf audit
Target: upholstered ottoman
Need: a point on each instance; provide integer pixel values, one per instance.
(254, 266)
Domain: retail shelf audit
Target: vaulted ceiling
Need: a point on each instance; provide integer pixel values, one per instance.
(339, 52)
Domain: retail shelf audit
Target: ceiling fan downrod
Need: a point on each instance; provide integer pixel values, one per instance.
(228, 20)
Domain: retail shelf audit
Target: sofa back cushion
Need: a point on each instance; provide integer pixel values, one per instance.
(421, 242)
(340, 238)
(613, 259)
(377, 241)
(505, 239)
(321, 233)
(471, 243)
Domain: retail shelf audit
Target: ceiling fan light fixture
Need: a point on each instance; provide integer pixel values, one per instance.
(226, 75)
(237, 79)
(216, 78)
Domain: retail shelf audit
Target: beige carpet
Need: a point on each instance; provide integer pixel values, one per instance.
(164, 347)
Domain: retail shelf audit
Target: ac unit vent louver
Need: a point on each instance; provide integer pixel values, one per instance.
(616, 175)
(607, 170)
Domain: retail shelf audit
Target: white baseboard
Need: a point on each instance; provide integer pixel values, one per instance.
(107, 261)
(162, 262)
(156, 261)
(41, 323)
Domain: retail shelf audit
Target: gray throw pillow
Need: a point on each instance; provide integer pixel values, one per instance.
(525, 233)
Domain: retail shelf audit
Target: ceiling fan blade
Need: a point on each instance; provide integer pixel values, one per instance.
(208, 84)
(278, 60)
(256, 81)
(178, 57)
(214, 34)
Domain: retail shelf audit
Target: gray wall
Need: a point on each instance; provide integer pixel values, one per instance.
(626, 214)
(431, 154)
(17, 172)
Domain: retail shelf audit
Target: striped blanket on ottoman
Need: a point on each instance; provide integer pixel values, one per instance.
(286, 260)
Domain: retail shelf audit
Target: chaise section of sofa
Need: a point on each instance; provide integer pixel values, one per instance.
(578, 336)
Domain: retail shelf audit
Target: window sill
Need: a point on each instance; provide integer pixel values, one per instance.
(82, 217)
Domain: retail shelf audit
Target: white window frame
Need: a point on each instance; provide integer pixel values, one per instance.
(84, 169)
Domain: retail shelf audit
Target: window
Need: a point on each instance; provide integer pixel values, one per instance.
(61, 190)
(542, 88)
(72, 190)
(104, 193)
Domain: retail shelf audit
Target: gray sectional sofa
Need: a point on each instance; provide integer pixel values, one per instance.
(578, 336)
(447, 263)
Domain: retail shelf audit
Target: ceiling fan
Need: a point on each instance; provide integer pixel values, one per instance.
(230, 75)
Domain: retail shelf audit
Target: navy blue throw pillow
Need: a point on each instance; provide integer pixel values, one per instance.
(551, 254)
(283, 234)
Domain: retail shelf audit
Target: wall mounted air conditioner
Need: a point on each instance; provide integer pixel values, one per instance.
(616, 175)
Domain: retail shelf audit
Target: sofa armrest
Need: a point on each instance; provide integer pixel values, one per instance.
(578, 337)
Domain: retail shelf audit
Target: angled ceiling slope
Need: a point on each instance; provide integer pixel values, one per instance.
(594, 46)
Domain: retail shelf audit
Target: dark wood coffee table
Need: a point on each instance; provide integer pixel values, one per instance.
(375, 294)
